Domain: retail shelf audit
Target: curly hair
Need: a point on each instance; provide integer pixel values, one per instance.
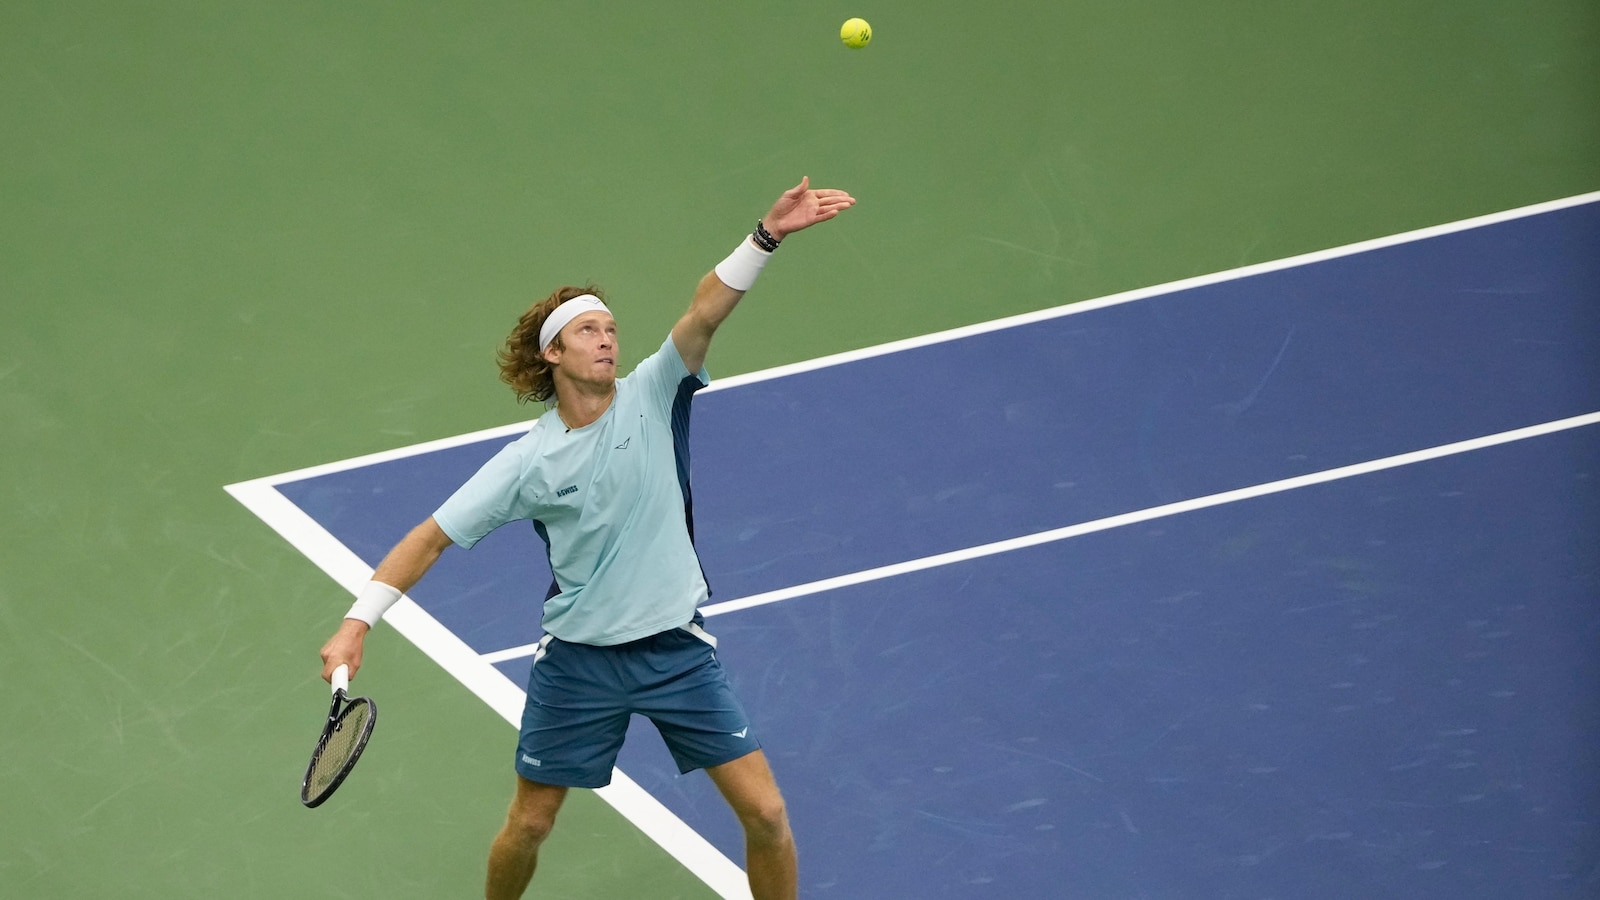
(521, 364)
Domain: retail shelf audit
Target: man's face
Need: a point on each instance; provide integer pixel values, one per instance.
(589, 349)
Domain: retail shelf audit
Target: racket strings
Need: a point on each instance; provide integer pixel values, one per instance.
(344, 741)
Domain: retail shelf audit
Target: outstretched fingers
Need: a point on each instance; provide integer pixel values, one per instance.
(834, 199)
(830, 203)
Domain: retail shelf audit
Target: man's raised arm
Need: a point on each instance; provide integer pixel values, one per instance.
(719, 291)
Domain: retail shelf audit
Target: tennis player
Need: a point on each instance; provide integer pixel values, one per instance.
(604, 476)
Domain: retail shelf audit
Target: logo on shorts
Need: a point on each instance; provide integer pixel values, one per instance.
(531, 761)
(741, 732)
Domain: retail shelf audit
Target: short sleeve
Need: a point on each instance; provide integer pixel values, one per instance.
(486, 501)
(661, 374)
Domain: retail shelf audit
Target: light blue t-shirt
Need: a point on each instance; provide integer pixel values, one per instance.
(610, 500)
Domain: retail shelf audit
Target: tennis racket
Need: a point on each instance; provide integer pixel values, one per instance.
(343, 738)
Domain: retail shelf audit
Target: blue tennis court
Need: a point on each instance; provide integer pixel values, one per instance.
(1283, 583)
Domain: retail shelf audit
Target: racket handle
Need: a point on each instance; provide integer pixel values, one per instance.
(341, 679)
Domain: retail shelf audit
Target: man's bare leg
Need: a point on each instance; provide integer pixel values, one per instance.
(515, 852)
(770, 858)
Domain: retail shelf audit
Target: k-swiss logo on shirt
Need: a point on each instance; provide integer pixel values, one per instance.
(570, 489)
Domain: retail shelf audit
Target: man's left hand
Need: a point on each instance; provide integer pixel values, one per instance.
(801, 207)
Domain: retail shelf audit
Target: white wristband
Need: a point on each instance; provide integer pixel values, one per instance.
(740, 269)
(373, 601)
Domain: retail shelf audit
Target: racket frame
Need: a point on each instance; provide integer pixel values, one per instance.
(341, 706)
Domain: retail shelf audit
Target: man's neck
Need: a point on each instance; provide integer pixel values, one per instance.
(578, 407)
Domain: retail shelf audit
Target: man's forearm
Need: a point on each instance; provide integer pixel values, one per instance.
(712, 304)
(410, 559)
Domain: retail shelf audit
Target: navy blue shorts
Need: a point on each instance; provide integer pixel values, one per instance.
(580, 698)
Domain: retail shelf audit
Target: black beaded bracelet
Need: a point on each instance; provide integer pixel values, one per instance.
(763, 238)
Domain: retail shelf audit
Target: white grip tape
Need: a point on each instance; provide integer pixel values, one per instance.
(740, 269)
(341, 679)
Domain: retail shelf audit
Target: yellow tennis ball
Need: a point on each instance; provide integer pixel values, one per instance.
(855, 33)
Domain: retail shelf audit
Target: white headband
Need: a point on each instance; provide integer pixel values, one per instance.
(566, 312)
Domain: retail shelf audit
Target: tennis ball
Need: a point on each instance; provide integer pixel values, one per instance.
(855, 33)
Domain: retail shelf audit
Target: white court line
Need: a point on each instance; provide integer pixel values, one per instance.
(478, 674)
(648, 814)
(1145, 515)
(954, 334)
(1131, 518)
(1171, 287)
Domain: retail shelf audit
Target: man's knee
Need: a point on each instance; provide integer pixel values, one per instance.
(530, 827)
(765, 819)
(533, 813)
